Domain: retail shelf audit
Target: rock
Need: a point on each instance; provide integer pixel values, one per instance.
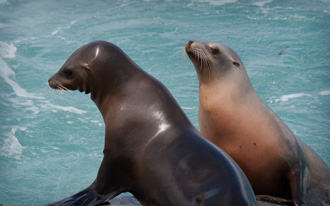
(262, 200)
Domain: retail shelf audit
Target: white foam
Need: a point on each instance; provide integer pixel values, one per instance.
(7, 50)
(11, 145)
(56, 31)
(216, 2)
(188, 108)
(73, 22)
(28, 104)
(262, 3)
(285, 98)
(66, 109)
(63, 27)
(5, 73)
(324, 93)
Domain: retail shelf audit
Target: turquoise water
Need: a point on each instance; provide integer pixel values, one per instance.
(51, 144)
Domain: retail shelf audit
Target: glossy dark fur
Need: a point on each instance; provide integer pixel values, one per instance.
(151, 148)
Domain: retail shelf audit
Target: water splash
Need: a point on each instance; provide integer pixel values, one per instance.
(262, 3)
(285, 98)
(9, 51)
(325, 93)
(10, 146)
(215, 2)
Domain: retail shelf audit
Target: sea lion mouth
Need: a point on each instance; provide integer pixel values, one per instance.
(59, 88)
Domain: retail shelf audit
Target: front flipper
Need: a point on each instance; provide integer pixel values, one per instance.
(298, 186)
(106, 186)
(86, 197)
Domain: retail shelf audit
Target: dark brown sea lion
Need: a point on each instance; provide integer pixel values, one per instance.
(233, 116)
(151, 149)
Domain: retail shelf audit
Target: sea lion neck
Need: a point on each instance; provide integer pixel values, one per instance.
(210, 76)
(114, 88)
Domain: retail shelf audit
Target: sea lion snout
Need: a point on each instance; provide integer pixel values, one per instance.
(52, 82)
(57, 83)
(189, 47)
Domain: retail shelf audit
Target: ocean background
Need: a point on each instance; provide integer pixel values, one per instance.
(51, 144)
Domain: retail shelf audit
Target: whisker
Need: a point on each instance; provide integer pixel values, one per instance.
(62, 87)
(185, 57)
(59, 91)
(201, 57)
(203, 60)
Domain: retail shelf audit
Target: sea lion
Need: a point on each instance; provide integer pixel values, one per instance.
(151, 148)
(233, 116)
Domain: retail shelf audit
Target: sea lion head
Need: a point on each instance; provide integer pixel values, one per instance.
(74, 74)
(90, 69)
(212, 59)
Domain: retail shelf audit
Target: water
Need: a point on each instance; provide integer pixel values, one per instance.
(51, 144)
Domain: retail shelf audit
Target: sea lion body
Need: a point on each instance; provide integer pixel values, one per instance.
(233, 117)
(151, 149)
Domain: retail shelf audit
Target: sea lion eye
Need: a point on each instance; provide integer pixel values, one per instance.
(67, 72)
(215, 51)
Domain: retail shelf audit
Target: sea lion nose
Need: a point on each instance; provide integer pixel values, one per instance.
(189, 43)
(52, 82)
(50, 79)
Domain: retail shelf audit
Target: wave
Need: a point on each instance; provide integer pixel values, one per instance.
(66, 109)
(188, 108)
(63, 27)
(10, 144)
(262, 3)
(5, 73)
(9, 51)
(287, 97)
(215, 2)
(324, 93)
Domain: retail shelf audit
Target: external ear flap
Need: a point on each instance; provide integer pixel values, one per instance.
(86, 66)
(236, 64)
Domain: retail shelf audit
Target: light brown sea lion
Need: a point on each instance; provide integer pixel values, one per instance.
(151, 149)
(233, 116)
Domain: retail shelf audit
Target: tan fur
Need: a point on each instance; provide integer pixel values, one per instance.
(233, 117)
